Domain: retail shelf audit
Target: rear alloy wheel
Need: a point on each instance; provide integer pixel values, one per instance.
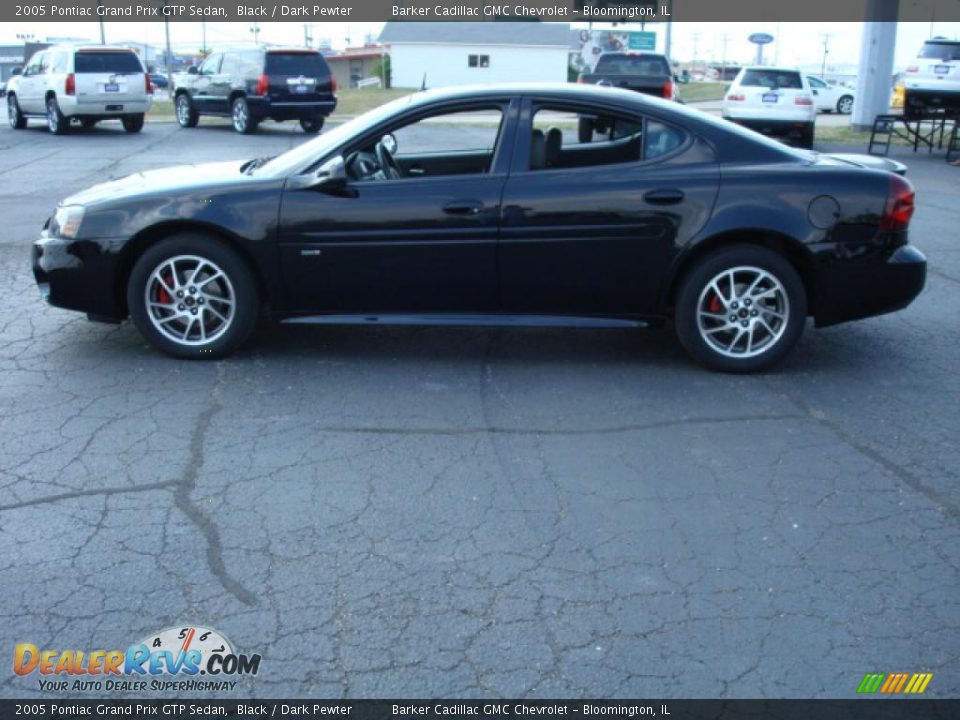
(56, 121)
(312, 125)
(192, 296)
(845, 105)
(242, 120)
(132, 123)
(186, 115)
(741, 309)
(16, 118)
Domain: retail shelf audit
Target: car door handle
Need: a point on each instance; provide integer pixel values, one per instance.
(663, 197)
(463, 207)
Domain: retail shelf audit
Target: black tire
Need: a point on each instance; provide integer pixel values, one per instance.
(312, 125)
(243, 122)
(16, 118)
(132, 123)
(695, 290)
(57, 122)
(845, 105)
(806, 138)
(585, 130)
(240, 282)
(913, 109)
(186, 113)
(87, 123)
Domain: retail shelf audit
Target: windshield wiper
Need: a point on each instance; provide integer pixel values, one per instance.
(255, 163)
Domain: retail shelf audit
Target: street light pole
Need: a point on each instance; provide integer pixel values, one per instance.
(826, 51)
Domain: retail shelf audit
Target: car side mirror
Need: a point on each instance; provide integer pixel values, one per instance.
(815, 92)
(332, 174)
(192, 70)
(17, 71)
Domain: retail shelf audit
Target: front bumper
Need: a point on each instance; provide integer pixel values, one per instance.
(264, 107)
(850, 288)
(77, 275)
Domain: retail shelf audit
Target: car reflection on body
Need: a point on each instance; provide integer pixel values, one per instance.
(671, 215)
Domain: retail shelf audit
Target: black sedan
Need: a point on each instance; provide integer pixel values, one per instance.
(507, 220)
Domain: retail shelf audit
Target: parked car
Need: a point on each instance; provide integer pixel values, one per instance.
(773, 101)
(933, 81)
(383, 220)
(831, 98)
(647, 73)
(67, 83)
(159, 81)
(250, 85)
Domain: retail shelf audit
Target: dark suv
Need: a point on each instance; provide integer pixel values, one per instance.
(250, 85)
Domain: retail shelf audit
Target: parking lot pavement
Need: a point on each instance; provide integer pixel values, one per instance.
(442, 512)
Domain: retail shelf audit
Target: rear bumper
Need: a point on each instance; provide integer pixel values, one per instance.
(76, 275)
(105, 108)
(264, 107)
(872, 284)
(947, 96)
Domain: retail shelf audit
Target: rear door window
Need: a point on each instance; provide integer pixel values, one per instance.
(777, 79)
(100, 61)
(296, 64)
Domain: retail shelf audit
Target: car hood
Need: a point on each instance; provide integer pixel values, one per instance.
(171, 179)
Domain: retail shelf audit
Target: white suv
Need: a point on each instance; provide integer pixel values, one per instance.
(933, 81)
(87, 84)
(774, 101)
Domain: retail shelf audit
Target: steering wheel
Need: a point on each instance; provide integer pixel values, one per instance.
(387, 163)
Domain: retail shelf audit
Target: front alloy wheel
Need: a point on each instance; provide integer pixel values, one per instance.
(845, 105)
(16, 118)
(741, 309)
(192, 296)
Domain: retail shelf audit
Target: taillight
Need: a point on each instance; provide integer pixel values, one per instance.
(802, 100)
(147, 85)
(913, 68)
(263, 85)
(736, 98)
(899, 207)
(70, 87)
(333, 83)
(668, 89)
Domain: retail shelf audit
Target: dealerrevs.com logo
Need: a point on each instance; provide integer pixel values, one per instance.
(173, 659)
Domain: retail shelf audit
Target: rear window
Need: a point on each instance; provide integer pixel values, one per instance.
(772, 79)
(632, 65)
(941, 51)
(296, 63)
(106, 62)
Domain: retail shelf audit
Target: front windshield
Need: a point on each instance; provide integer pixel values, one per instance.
(303, 156)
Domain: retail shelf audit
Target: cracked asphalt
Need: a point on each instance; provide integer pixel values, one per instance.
(409, 512)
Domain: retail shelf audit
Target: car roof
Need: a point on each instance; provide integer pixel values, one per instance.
(90, 48)
(772, 69)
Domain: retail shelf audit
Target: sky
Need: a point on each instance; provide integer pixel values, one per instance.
(795, 43)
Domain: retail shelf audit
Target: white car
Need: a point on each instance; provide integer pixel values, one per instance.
(773, 101)
(932, 82)
(831, 98)
(64, 83)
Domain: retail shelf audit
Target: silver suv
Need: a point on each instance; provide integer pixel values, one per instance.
(66, 83)
(933, 81)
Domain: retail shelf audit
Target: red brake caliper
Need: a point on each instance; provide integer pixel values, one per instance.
(715, 306)
(162, 295)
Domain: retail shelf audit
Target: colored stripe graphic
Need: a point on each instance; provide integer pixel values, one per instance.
(870, 683)
(895, 683)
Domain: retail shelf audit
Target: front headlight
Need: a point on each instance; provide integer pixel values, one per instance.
(66, 221)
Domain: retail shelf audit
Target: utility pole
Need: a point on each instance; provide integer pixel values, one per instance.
(696, 43)
(203, 30)
(307, 36)
(168, 60)
(103, 37)
(256, 33)
(723, 63)
(826, 51)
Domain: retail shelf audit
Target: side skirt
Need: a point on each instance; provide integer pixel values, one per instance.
(491, 320)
